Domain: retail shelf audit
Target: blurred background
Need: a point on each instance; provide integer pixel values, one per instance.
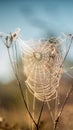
(37, 19)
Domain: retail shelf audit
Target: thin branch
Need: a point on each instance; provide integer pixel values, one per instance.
(66, 53)
(40, 113)
(25, 102)
(37, 127)
(61, 110)
(20, 87)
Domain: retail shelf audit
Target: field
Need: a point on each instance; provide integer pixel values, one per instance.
(13, 114)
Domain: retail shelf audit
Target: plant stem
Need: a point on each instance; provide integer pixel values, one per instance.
(61, 110)
(20, 87)
(40, 113)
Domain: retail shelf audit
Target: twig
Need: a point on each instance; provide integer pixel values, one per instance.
(40, 113)
(66, 53)
(37, 127)
(20, 87)
(25, 102)
(61, 110)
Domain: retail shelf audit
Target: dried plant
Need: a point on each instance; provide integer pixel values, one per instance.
(42, 64)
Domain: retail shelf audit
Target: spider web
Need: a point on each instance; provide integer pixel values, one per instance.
(42, 66)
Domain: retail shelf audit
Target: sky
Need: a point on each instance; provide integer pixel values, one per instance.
(36, 19)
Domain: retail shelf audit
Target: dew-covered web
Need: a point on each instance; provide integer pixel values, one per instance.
(42, 64)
